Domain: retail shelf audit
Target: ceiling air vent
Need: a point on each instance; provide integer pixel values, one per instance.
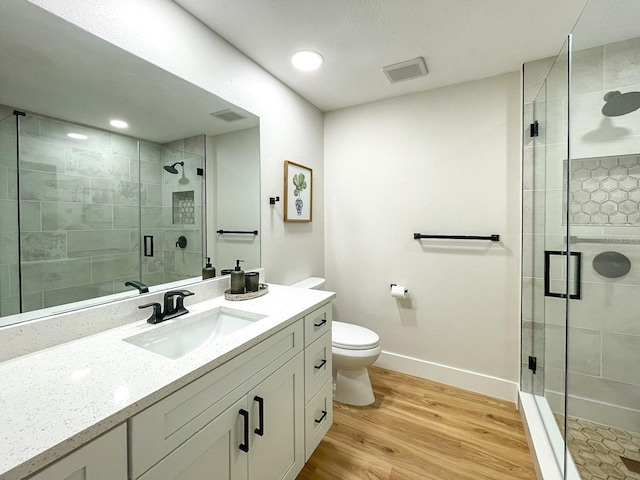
(228, 115)
(406, 70)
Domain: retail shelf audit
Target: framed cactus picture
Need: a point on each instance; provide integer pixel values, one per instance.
(298, 184)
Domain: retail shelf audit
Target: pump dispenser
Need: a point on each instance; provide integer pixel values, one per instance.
(209, 271)
(237, 279)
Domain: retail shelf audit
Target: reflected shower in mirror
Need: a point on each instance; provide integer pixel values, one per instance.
(91, 213)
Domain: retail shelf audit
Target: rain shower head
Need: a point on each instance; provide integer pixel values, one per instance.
(618, 104)
(172, 168)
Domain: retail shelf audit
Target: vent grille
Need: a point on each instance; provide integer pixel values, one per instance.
(407, 70)
(228, 115)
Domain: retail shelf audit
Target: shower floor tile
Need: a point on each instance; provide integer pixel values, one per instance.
(598, 450)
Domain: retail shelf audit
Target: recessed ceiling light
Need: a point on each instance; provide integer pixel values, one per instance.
(307, 60)
(119, 123)
(77, 136)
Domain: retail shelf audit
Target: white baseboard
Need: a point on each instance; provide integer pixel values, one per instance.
(476, 382)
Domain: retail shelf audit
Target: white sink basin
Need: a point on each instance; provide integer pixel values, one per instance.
(188, 334)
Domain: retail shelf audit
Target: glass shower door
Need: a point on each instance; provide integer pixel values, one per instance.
(545, 251)
(172, 181)
(559, 263)
(9, 254)
(603, 378)
(79, 220)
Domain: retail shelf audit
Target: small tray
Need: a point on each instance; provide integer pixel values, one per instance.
(263, 288)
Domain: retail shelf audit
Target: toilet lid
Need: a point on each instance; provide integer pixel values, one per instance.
(353, 337)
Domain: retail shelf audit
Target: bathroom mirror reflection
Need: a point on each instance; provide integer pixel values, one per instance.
(87, 209)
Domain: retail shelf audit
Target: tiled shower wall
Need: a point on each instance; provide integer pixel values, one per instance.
(80, 216)
(604, 332)
(79, 212)
(180, 263)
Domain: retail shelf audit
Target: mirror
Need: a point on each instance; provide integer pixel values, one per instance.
(82, 215)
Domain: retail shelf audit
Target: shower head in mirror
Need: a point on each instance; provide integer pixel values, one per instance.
(618, 104)
(172, 168)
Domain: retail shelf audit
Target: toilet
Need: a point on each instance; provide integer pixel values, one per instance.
(354, 348)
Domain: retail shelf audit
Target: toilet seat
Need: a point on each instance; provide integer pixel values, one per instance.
(353, 337)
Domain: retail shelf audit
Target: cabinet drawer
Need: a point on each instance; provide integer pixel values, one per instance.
(104, 458)
(318, 417)
(317, 323)
(167, 424)
(317, 365)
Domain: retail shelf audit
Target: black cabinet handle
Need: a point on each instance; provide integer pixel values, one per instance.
(322, 322)
(260, 429)
(322, 363)
(322, 417)
(244, 446)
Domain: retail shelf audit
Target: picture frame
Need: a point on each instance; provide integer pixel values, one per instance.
(298, 192)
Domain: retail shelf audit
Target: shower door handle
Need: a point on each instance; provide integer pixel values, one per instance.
(577, 274)
(148, 245)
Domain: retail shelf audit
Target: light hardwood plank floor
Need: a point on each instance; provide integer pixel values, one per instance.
(418, 429)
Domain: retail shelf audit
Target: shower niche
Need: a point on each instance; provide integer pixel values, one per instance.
(183, 208)
(604, 191)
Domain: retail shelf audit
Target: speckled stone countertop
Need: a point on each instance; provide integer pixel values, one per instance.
(56, 400)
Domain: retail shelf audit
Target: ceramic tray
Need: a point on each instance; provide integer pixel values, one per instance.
(263, 288)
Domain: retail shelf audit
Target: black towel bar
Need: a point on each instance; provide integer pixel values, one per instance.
(249, 232)
(493, 237)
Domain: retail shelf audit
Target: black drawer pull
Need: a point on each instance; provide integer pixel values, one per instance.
(260, 429)
(322, 364)
(322, 322)
(322, 417)
(244, 446)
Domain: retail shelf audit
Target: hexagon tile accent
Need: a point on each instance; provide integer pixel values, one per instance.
(605, 191)
(183, 208)
(597, 450)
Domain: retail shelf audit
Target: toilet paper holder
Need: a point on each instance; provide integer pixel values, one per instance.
(406, 290)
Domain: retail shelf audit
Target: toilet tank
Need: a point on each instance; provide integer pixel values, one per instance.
(315, 283)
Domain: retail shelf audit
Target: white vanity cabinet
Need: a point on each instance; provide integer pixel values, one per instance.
(239, 443)
(252, 405)
(243, 420)
(104, 458)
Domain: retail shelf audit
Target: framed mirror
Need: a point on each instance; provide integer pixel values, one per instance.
(90, 212)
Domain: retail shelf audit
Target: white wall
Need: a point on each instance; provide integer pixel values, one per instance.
(160, 32)
(233, 188)
(446, 161)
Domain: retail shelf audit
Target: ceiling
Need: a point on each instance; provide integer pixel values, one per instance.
(461, 40)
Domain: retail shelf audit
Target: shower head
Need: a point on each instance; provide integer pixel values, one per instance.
(618, 104)
(172, 168)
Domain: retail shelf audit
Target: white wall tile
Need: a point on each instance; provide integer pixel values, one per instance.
(622, 63)
(620, 357)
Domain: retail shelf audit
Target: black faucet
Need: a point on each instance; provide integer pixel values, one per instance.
(142, 288)
(171, 310)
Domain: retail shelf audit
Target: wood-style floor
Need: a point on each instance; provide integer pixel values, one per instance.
(422, 430)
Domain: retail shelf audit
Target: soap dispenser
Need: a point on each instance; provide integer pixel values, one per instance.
(209, 271)
(237, 279)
